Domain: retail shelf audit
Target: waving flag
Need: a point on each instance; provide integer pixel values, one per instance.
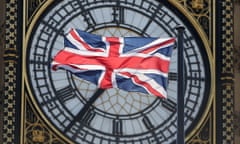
(130, 63)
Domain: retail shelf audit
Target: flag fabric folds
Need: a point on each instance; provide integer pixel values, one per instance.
(137, 64)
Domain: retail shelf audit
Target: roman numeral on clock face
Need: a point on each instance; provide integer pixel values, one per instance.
(65, 94)
(117, 127)
(169, 105)
(147, 122)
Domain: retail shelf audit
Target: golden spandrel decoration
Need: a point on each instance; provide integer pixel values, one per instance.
(204, 135)
(32, 7)
(36, 131)
(202, 11)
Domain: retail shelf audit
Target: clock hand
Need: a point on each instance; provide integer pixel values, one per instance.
(84, 110)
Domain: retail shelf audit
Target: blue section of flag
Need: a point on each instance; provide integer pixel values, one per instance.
(131, 43)
(91, 39)
(91, 76)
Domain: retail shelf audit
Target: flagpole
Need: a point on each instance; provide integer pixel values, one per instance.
(180, 87)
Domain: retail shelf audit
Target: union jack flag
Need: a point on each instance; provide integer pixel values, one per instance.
(136, 64)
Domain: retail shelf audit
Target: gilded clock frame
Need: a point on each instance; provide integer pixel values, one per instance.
(21, 116)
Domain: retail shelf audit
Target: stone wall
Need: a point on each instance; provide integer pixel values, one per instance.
(2, 39)
(237, 70)
(2, 31)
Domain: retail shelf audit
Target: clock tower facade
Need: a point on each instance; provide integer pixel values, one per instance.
(36, 108)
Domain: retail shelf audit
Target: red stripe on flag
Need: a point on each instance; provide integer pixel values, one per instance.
(111, 63)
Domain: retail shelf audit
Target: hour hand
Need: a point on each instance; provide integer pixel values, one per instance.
(84, 110)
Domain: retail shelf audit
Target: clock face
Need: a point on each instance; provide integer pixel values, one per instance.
(80, 111)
